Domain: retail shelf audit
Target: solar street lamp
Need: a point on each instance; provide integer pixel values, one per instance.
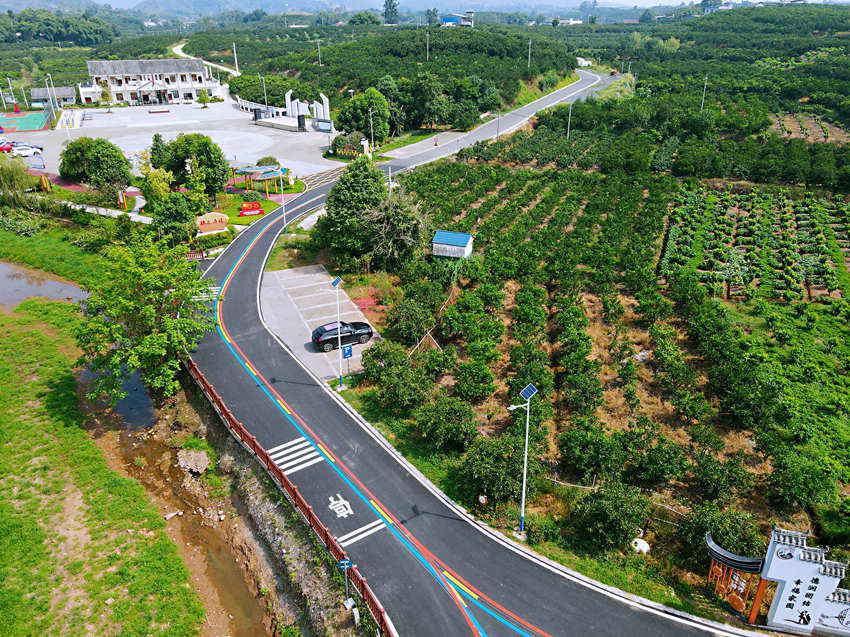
(336, 284)
(526, 393)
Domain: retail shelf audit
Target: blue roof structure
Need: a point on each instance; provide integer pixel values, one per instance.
(446, 237)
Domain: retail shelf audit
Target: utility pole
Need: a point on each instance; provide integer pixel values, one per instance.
(235, 59)
(11, 90)
(319, 44)
(529, 52)
(498, 122)
(569, 120)
(704, 86)
(427, 46)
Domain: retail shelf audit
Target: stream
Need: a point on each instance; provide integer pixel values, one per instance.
(136, 412)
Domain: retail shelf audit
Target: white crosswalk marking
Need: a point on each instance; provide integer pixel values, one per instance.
(358, 534)
(209, 294)
(295, 455)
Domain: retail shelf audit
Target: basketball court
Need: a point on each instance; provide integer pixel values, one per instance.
(23, 121)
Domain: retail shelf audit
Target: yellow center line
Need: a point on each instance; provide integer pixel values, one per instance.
(461, 586)
(387, 518)
(326, 452)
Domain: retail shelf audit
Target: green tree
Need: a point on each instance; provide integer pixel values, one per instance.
(106, 96)
(731, 529)
(493, 467)
(143, 315)
(343, 229)
(390, 11)
(196, 197)
(203, 98)
(447, 423)
(609, 517)
(364, 17)
(401, 385)
(430, 104)
(397, 231)
(13, 173)
(408, 320)
(159, 151)
(465, 115)
(156, 184)
(647, 16)
(432, 16)
(173, 217)
(354, 115)
(97, 162)
(209, 157)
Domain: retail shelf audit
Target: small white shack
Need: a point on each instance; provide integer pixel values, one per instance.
(457, 245)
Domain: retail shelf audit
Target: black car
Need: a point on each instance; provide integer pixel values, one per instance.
(327, 337)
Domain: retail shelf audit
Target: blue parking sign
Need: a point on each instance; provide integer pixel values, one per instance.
(346, 351)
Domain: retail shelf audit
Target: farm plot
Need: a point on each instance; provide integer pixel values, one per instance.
(759, 244)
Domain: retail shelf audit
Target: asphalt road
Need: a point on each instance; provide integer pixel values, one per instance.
(435, 570)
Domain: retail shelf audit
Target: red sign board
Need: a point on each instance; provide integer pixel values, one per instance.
(251, 208)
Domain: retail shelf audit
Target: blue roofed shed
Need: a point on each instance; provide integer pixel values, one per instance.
(452, 244)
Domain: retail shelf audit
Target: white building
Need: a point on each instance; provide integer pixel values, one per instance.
(465, 19)
(457, 245)
(569, 21)
(63, 95)
(171, 81)
(582, 62)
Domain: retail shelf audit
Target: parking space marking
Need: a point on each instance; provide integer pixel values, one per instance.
(309, 285)
(358, 534)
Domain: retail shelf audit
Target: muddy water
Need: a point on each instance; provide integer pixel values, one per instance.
(18, 283)
(246, 613)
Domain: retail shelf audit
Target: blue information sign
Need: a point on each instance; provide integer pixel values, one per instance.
(344, 565)
(346, 351)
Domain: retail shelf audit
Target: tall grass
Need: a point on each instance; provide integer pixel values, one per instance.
(49, 252)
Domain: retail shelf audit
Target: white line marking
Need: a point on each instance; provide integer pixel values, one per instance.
(295, 458)
(357, 538)
(350, 534)
(280, 457)
(284, 445)
(289, 472)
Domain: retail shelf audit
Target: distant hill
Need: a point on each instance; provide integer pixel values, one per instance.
(65, 5)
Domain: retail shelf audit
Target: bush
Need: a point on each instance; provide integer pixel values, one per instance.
(541, 528)
(474, 381)
(408, 321)
(731, 529)
(493, 467)
(718, 479)
(251, 195)
(799, 480)
(268, 161)
(439, 362)
(609, 518)
(447, 423)
(465, 115)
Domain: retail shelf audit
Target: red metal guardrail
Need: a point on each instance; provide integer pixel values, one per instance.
(238, 430)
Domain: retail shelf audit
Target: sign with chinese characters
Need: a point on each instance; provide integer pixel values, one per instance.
(212, 222)
(806, 598)
(251, 208)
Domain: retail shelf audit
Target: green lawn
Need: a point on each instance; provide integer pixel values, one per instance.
(48, 251)
(232, 204)
(82, 549)
(408, 138)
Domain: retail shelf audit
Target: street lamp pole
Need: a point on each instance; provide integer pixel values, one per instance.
(526, 393)
(569, 120)
(371, 130)
(265, 97)
(336, 283)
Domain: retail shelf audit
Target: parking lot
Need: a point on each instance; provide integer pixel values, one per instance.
(298, 300)
(132, 128)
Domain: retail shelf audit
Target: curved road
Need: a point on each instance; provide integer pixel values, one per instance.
(436, 571)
